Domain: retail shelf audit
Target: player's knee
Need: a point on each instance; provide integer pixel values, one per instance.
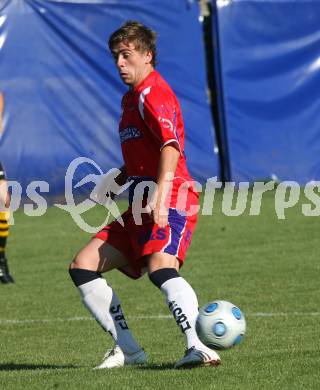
(162, 275)
(81, 272)
(161, 260)
(73, 265)
(82, 276)
(79, 261)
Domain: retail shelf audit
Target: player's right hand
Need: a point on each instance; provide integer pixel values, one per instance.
(107, 188)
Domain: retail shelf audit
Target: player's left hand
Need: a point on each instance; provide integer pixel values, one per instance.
(157, 209)
(160, 216)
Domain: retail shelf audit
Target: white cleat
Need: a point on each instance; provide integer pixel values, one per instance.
(116, 358)
(198, 357)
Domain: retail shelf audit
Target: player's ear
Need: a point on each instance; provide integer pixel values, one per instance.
(149, 57)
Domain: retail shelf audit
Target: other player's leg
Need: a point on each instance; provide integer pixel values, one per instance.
(182, 301)
(100, 299)
(5, 276)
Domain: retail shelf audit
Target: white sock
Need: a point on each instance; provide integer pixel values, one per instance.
(104, 305)
(183, 304)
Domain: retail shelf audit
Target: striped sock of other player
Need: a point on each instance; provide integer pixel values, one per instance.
(4, 231)
(5, 276)
(183, 304)
(104, 305)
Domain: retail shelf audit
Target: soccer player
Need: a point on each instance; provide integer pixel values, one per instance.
(152, 140)
(5, 276)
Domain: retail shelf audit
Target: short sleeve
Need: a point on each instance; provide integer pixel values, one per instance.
(158, 110)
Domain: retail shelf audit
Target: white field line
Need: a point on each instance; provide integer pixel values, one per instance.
(143, 317)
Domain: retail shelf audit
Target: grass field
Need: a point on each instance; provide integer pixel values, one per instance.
(269, 267)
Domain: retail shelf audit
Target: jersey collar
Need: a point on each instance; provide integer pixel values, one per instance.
(145, 81)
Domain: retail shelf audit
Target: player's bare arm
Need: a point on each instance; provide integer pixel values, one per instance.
(167, 166)
(4, 196)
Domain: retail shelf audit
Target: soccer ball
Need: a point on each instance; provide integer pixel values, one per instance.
(220, 325)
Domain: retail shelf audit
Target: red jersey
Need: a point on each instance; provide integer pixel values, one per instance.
(151, 118)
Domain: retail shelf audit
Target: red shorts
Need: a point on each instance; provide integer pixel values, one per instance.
(136, 241)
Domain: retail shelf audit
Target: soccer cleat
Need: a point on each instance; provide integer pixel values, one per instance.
(116, 358)
(196, 358)
(5, 276)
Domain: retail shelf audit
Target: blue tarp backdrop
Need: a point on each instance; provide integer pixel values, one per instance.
(269, 74)
(62, 92)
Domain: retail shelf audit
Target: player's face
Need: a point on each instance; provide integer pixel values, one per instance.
(133, 66)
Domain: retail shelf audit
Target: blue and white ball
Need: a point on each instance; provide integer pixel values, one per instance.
(220, 325)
